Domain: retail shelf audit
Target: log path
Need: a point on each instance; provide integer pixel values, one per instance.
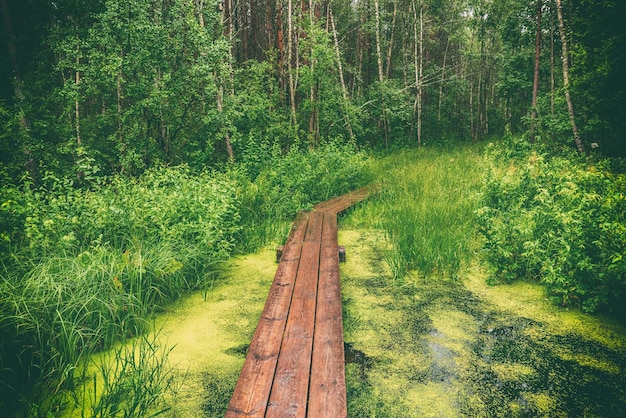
(295, 366)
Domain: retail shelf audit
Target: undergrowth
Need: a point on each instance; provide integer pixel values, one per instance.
(558, 219)
(85, 267)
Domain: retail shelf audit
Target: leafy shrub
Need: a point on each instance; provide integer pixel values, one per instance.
(558, 220)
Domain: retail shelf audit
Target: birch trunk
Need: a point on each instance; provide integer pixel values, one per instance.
(390, 47)
(533, 105)
(378, 46)
(568, 99)
(292, 93)
(344, 90)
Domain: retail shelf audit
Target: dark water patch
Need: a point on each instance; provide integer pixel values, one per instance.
(218, 390)
(238, 351)
(568, 373)
(357, 361)
(354, 356)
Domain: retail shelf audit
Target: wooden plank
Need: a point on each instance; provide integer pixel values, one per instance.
(327, 394)
(288, 397)
(341, 203)
(252, 391)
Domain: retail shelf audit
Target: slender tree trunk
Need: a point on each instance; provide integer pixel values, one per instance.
(533, 106)
(471, 109)
(120, 131)
(220, 90)
(443, 78)
(421, 74)
(381, 78)
(418, 38)
(314, 119)
(568, 99)
(292, 88)
(76, 102)
(378, 41)
(393, 30)
(552, 83)
(344, 90)
(280, 45)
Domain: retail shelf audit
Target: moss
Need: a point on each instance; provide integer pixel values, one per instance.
(210, 333)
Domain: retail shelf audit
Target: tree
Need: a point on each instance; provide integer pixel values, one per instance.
(533, 105)
(566, 84)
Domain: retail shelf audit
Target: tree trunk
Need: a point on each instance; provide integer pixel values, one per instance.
(443, 78)
(418, 38)
(344, 90)
(314, 131)
(77, 83)
(552, 83)
(568, 99)
(533, 106)
(379, 58)
(393, 30)
(280, 45)
(220, 90)
(378, 46)
(292, 88)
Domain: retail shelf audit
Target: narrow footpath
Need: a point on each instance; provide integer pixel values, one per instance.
(295, 365)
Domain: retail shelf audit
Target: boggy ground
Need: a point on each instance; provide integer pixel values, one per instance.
(449, 347)
(423, 346)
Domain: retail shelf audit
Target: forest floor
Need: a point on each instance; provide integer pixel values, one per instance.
(422, 346)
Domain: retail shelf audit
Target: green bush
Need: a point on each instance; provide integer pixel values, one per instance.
(86, 267)
(559, 220)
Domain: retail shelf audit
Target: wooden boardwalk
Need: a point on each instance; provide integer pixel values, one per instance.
(295, 365)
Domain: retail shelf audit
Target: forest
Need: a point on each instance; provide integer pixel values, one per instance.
(145, 143)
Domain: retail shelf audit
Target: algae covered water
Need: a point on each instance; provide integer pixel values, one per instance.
(420, 347)
(448, 347)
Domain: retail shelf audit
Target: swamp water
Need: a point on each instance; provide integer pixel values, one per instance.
(423, 347)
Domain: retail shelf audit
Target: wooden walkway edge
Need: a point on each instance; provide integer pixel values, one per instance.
(295, 366)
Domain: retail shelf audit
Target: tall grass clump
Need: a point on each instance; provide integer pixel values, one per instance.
(426, 205)
(129, 382)
(558, 219)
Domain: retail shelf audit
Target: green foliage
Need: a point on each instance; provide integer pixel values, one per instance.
(289, 183)
(558, 220)
(86, 267)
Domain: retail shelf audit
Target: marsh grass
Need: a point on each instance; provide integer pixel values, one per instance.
(130, 381)
(426, 207)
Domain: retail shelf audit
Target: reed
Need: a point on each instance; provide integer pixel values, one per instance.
(426, 208)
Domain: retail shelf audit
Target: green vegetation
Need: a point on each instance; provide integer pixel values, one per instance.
(144, 143)
(84, 268)
(432, 346)
(559, 220)
(425, 206)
